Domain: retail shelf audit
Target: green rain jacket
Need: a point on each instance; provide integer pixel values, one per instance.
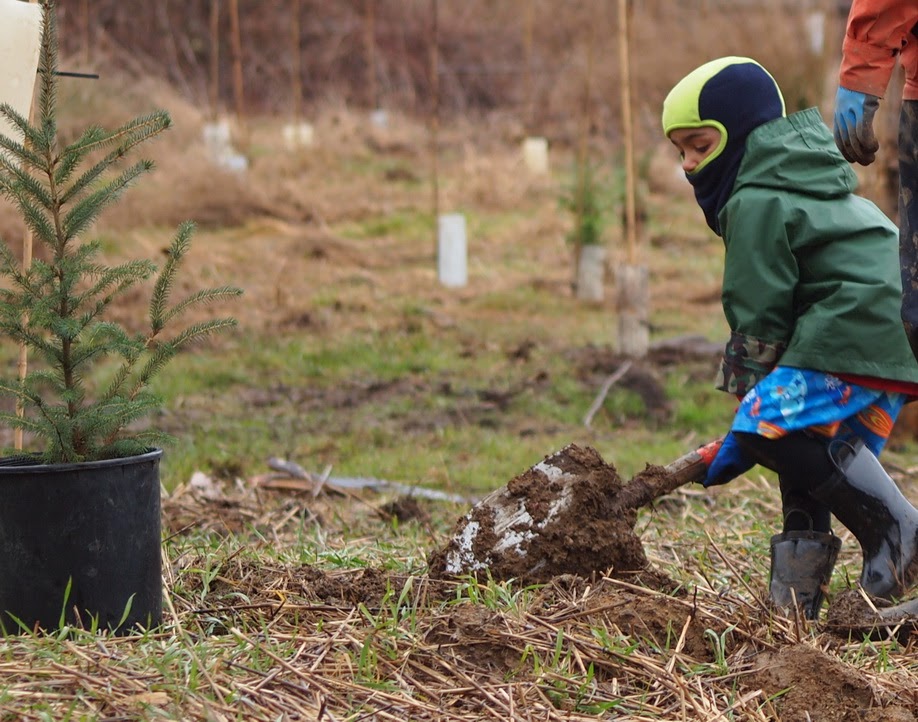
(811, 272)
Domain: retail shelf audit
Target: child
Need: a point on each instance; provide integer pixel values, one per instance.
(817, 353)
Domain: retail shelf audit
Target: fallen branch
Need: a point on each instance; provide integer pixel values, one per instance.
(604, 391)
(343, 484)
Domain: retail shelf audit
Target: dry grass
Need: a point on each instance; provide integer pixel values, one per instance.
(257, 634)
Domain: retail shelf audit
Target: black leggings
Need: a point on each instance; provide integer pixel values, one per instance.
(802, 462)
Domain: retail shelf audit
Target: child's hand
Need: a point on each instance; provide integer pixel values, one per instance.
(729, 463)
(854, 134)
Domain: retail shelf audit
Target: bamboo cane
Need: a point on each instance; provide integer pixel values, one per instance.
(370, 44)
(236, 51)
(84, 22)
(633, 300)
(435, 114)
(527, 62)
(23, 365)
(296, 88)
(586, 121)
(628, 133)
(214, 58)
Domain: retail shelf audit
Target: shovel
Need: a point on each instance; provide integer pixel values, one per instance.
(568, 514)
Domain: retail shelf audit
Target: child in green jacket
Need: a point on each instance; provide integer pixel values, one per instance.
(817, 352)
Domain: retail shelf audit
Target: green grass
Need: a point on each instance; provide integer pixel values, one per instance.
(404, 224)
(420, 407)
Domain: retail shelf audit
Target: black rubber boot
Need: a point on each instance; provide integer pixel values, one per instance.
(800, 510)
(867, 501)
(801, 567)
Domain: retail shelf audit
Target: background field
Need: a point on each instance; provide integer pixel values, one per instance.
(352, 360)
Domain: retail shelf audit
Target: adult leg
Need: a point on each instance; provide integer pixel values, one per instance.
(866, 500)
(908, 218)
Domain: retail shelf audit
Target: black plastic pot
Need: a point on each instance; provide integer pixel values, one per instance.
(93, 527)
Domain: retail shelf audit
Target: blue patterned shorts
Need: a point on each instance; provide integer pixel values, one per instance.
(790, 399)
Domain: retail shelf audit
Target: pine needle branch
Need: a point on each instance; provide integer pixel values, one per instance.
(57, 307)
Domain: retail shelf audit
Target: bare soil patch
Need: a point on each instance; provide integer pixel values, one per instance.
(809, 685)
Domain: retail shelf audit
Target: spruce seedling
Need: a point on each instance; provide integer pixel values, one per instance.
(57, 306)
(583, 199)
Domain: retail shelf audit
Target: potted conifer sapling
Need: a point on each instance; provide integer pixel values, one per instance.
(80, 531)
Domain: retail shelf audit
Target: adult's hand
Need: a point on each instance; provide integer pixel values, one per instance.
(853, 130)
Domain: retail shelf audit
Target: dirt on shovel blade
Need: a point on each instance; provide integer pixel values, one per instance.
(564, 515)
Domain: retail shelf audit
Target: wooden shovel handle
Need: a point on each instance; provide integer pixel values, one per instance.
(651, 484)
(692, 466)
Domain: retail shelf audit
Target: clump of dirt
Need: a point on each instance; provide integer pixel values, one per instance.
(363, 586)
(485, 639)
(561, 516)
(849, 612)
(660, 621)
(851, 617)
(809, 685)
(268, 584)
(476, 635)
(655, 621)
(405, 508)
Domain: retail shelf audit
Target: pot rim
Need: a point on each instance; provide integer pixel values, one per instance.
(28, 464)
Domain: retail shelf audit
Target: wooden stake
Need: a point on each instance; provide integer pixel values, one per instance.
(632, 279)
(370, 45)
(527, 61)
(624, 52)
(84, 26)
(587, 102)
(214, 59)
(435, 113)
(583, 155)
(236, 52)
(296, 85)
(23, 365)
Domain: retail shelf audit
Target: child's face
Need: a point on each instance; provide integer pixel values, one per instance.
(695, 144)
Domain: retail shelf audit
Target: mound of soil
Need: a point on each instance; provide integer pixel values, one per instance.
(561, 516)
(809, 685)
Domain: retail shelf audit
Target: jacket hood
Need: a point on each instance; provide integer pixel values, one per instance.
(797, 154)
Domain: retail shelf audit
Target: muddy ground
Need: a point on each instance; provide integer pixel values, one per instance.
(596, 576)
